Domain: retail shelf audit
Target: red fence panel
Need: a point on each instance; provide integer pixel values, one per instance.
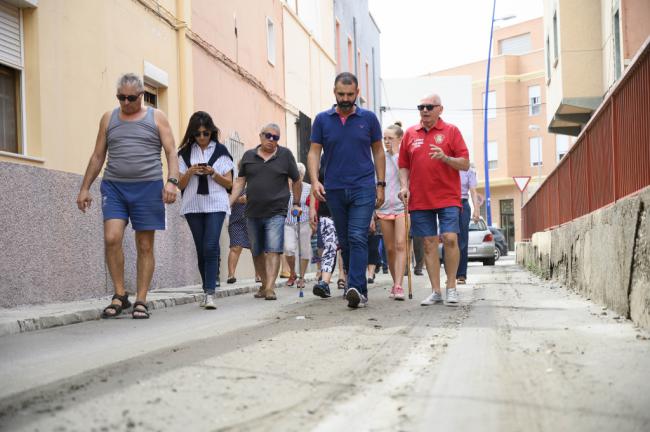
(610, 160)
(601, 159)
(580, 175)
(564, 191)
(553, 202)
(632, 125)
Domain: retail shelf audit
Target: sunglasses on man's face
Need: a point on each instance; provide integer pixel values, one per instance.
(130, 98)
(202, 133)
(270, 136)
(429, 107)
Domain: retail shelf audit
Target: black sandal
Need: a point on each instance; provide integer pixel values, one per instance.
(145, 312)
(118, 308)
(340, 284)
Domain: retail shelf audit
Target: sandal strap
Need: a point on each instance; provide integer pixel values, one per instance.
(140, 303)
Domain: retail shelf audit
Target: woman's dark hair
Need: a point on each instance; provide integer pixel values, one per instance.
(198, 119)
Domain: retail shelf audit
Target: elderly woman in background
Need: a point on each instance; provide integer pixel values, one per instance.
(291, 226)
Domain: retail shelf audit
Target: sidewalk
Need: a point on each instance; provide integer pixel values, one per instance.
(37, 317)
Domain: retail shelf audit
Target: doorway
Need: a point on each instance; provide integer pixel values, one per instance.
(507, 208)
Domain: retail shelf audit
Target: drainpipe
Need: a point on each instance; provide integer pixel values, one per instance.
(185, 78)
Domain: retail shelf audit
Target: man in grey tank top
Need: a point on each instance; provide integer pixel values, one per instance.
(132, 187)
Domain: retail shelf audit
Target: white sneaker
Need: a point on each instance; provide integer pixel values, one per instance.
(452, 297)
(364, 301)
(353, 296)
(202, 302)
(433, 298)
(209, 302)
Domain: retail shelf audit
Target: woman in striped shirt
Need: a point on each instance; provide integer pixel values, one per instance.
(391, 214)
(206, 173)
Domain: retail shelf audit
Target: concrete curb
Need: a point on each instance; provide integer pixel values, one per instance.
(93, 312)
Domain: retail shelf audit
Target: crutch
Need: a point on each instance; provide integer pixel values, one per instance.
(408, 246)
(296, 213)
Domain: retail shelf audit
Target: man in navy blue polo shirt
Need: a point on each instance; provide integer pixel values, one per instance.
(349, 138)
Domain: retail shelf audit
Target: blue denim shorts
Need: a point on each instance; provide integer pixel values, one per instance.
(266, 234)
(140, 202)
(424, 223)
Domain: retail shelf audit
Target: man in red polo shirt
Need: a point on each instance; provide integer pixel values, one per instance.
(430, 156)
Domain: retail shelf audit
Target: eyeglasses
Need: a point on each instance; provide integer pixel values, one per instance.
(429, 107)
(270, 136)
(202, 133)
(130, 98)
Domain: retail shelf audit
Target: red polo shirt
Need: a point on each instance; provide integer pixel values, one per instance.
(432, 183)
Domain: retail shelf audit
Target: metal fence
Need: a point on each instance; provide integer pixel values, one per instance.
(609, 161)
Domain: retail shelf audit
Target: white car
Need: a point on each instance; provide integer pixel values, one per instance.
(481, 244)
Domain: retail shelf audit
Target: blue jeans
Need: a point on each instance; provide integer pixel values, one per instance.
(266, 234)
(206, 229)
(463, 239)
(352, 210)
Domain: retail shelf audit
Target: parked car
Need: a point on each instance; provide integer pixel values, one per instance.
(481, 246)
(500, 243)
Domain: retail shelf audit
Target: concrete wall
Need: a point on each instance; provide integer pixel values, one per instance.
(604, 256)
(51, 252)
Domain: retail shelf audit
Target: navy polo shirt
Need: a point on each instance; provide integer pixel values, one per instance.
(347, 151)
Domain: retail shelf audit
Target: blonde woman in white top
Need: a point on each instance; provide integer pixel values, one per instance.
(391, 214)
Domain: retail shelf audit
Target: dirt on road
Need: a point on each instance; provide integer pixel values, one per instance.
(518, 354)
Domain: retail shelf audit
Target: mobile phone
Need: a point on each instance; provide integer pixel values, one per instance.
(202, 164)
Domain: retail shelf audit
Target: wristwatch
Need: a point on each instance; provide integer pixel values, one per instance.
(173, 181)
(381, 183)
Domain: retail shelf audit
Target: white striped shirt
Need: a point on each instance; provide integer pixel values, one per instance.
(217, 198)
(304, 217)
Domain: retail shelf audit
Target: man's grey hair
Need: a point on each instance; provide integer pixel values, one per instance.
(433, 96)
(130, 79)
(301, 169)
(273, 126)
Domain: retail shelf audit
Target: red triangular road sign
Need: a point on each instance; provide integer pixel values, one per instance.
(521, 182)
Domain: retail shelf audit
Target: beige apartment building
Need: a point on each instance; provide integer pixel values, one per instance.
(518, 142)
(59, 62)
(588, 45)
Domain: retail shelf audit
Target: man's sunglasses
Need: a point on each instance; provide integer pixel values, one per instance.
(130, 98)
(202, 133)
(270, 136)
(429, 107)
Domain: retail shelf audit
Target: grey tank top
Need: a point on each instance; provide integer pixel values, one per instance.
(133, 149)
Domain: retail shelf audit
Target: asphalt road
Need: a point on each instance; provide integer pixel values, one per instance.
(518, 354)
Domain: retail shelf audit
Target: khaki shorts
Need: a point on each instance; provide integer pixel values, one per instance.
(291, 240)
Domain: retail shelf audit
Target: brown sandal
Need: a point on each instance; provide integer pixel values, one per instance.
(140, 308)
(116, 308)
(270, 296)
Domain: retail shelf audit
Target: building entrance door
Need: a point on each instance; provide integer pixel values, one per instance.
(507, 208)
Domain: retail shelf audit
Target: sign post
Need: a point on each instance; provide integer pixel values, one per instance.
(522, 184)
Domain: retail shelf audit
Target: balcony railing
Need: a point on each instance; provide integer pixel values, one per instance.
(609, 161)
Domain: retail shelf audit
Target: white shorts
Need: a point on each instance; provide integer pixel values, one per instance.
(291, 240)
